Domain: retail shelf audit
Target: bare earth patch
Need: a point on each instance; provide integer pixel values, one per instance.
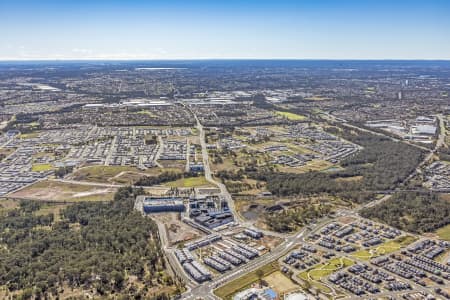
(177, 230)
(61, 191)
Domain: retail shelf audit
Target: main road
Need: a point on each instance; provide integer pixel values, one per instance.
(207, 169)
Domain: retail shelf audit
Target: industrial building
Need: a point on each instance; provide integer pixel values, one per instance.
(216, 265)
(343, 232)
(196, 167)
(152, 204)
(203, 242)
(197, 271)
(210, 211)
(221, 261)
(183, 255)
(236, 254)
(256, 234)
(230, 258)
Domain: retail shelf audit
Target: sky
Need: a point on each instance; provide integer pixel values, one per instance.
(215, 29)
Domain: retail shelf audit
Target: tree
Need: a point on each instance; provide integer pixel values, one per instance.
(260, 274)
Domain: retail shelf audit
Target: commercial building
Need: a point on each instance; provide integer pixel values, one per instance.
(153, 204)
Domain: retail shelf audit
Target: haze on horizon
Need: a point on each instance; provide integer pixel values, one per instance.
(175, 29)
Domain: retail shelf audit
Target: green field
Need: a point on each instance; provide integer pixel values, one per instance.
(290, 116)
(189, 182)
(385, 248)
(364, 254)
(41, 167)
(29, 135)
(321, 287)
(146, 112)
(105, 173)
(317, 98)
(395, 245)
(228, 290)
(313, 165)
(312, 276)
(444, 232)
(327, 268)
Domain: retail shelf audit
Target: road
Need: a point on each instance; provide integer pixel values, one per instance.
(188, 155)
(160, 150)
(442, 132)
(99, 184)
(108, 157)
(208, 174)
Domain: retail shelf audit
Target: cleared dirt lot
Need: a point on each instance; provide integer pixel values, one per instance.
(60, 191)
(177, 231)
(280, 283)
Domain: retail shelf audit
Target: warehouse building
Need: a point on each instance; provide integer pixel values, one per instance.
(203, 242)
(256, 234)
(197, 271)
(153, 204)
(216, 265)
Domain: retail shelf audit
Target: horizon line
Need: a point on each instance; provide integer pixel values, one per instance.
(218, 59)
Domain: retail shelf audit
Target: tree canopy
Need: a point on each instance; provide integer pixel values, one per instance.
(95, 246)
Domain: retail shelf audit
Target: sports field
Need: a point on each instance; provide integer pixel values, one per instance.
(228, 290)
(291, 116)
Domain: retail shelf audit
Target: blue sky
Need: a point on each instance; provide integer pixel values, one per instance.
(172, 29)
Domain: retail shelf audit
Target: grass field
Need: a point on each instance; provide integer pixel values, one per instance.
(41, 167)
(228, 290)
(189, 182)
(290, 116)
(329, 267)
(364, 254)
(317, 98)
(43, 154)
(314, 165)
(61, 191)
(349, 179)
(319, 286)
(320, 271)
(280, 283)
(385, 248)
(30, 135)
(99, 173)
(106, 173)
(392, 246)
(146, 112)
(444, 232)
